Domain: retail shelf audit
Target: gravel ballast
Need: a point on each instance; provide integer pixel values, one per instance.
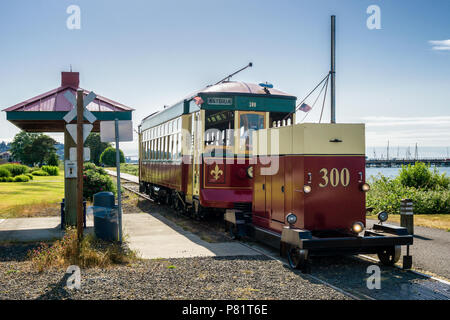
(190, 278)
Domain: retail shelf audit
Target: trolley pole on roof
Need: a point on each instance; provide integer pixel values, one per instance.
(333, 71)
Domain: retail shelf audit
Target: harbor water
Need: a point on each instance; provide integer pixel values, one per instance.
(393, 172)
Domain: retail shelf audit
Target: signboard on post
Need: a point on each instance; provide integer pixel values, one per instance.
(86, 154)
(70, 168)
(108, 131)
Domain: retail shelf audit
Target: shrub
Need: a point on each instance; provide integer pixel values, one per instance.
(51, 170)
(21, 178)
(53, 160)
(386, 193)
(4, 173)
(40, 173)
(8, 179)
(420, 176)
(92, 166)
(15, 169)
(95, 181)
(90, 252)
(29, 175)
(108, 157)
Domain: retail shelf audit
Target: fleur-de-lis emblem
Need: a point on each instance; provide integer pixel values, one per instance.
(216, 173)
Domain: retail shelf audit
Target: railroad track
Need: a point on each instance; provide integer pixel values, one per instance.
(129, 185)
(427, 288)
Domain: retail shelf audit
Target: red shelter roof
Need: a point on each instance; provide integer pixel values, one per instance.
(45, 112)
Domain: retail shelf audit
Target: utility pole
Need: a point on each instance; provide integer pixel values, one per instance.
(119, 193)
(80, 148)
(333, 71)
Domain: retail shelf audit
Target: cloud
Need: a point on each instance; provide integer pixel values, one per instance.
(440, 45)
(407, 121)
(427, 131)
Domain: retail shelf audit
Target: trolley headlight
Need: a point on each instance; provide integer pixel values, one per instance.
(383, 216)
(306, 189)
(250, 172)
(365, 187)
(357, 227)
(291, 218)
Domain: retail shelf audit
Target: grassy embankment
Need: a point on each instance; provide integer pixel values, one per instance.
(438, 221)
(129, 168)
(38, 197)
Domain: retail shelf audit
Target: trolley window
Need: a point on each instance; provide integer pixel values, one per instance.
(249, 122)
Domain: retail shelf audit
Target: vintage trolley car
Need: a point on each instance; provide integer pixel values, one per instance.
(309, 195)
(196, 154)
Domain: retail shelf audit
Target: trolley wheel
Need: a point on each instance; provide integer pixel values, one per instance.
(233, 231)
(176, 205)
(390, 256)
(298, 259)
(197, 210)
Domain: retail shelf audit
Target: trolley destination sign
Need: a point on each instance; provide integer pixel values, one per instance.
(220, 101)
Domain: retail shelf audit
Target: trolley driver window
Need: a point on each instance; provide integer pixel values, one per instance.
(249, 122)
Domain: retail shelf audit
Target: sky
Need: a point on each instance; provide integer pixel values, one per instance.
(147, 54)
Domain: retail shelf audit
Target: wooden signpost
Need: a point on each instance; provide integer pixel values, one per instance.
(80, 150)
(82, 130)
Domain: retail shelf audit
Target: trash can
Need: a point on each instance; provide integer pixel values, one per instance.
(105, 216)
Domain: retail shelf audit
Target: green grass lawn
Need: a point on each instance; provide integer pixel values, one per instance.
(38, 197)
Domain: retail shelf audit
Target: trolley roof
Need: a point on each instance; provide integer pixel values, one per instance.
(228, 95)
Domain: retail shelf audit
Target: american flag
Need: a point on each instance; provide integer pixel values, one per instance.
(305, 108)
(198, 100)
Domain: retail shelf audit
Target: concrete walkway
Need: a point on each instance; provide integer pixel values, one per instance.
(430, 251)
(152, 236)
(124, 176)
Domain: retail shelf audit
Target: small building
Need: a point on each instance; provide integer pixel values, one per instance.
(5, 157)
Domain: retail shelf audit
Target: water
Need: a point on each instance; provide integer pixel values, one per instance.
(393, 172)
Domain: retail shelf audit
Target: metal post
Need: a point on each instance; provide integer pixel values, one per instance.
(80, 148)
(119, 194)
(407, 215)
(333, 71)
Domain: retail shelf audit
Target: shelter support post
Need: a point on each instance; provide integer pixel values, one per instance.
(70, 185)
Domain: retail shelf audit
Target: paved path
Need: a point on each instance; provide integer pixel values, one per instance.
(125, 176)
(152, 236)
(430, 251)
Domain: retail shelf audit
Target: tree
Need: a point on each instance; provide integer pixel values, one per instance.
(32, 148)
(53, 159)
(96, 146)
(108, 157)
(23, 140)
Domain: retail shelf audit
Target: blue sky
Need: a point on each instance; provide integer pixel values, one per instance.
(146, 54)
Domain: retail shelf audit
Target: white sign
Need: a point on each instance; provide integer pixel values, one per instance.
(86, 154)
(73, 113)
(221, 101)
(108, 129)
(72, 128)
(70, 169)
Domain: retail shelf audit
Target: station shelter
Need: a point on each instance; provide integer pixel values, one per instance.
(45, 112)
